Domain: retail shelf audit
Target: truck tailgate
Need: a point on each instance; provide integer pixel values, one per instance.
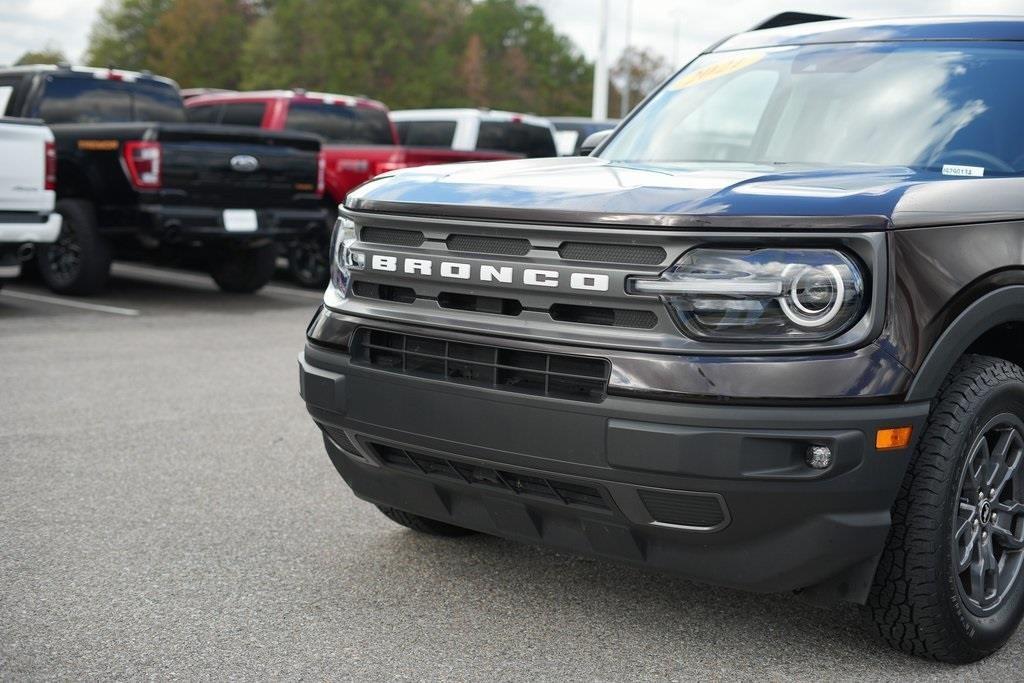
(235, 166)
(23, 166)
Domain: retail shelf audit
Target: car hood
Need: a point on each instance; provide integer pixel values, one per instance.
(589, 190)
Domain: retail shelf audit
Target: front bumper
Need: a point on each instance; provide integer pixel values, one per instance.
(716, 492)
(171, 223)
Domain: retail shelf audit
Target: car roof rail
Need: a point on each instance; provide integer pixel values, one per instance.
(793, 19)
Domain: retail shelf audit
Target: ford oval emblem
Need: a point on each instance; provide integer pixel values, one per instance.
(245, 163)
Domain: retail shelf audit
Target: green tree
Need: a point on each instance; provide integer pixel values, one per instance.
(48, 54)
(196, 42)
(642, 70)
(120, 36)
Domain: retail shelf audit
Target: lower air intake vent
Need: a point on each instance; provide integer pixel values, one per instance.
(575, 378)
(612, 253)
(693, 510)
(612, 317)
(553, 490)
(371, 290)
(340, 438)
(404, 238)
(503, 246)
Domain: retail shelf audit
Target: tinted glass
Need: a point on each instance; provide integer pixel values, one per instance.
(518, 138)
(204, 114)
(155, 101)
(95, 100)
(341, 124)
(942, 107)
(244, 114)
(85, 100)
(426, 133)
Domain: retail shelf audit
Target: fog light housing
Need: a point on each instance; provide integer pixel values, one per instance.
(819, 457)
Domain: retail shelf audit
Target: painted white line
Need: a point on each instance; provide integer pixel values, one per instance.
(70, 303)
(133, 270)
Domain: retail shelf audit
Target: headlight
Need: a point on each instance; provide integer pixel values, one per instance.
(343, 259)
(761, 295)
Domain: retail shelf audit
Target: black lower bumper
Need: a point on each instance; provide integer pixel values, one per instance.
(171, 223)
(717, 493)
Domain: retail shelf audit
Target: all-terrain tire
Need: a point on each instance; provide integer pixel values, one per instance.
(423, 524)
(918, 603)
(79, 261)
(243, 271)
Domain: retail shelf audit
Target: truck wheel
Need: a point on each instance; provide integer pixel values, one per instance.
(244, 271)
(308, 261)
(79, 261)
(423, 524)
(949, 583)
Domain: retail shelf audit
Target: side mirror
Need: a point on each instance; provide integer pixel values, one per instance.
(593, 141)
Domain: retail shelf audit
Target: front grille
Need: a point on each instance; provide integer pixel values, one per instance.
(684, 509)
(612, 253)
(404, 238)
(372, 290)
(541, 374)
(595, 315)
(546, 488)
(502, 246)
(480, 304)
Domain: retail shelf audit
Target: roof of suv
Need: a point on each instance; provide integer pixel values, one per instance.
(882, 30)
(467, 112)
(85, 71)
(328, 98)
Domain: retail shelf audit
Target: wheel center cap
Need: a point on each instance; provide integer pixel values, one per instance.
(985, 512)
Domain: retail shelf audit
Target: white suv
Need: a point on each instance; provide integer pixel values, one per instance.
(28, 176)
(470, 130)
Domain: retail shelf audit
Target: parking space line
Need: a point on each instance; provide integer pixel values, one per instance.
(71, 303)
(133, 270)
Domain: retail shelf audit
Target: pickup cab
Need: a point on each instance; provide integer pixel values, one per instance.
(359, 142)
(28, 176)
(136, 180)
(469, 130)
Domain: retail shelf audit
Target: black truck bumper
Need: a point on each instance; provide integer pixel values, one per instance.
(715, 492)
(171, 223)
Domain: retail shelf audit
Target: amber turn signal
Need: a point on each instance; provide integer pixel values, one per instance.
(891, 439)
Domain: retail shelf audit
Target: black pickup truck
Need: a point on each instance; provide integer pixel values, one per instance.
(134, 178)
(768, 335)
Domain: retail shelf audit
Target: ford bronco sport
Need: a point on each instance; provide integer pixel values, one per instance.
(769, 335)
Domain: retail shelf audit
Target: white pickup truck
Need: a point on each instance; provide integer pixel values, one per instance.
(471, 130)
(28, 174)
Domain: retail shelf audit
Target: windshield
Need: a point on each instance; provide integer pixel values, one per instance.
(954, 108)
(341, 124)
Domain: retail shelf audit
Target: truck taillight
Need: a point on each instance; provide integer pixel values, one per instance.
(321, 165)
(142, 162)
(51, 166)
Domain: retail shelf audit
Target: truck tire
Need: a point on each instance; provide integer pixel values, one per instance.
(308, 262)
(79, 261)
(424, 524)
(243, 271)
(949, 584)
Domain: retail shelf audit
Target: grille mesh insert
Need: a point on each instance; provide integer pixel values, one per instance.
(554, 490)
(612, 317)
(612, 253)
(704, 512)
(404, 238)
(541, 374)
(502, 246)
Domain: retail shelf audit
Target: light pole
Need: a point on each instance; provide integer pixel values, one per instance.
(624, 95)
(599, 108)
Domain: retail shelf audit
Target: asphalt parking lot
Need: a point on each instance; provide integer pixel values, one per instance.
(167, 511)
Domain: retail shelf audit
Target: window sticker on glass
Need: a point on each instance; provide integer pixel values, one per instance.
(969, 171)
(719, 69)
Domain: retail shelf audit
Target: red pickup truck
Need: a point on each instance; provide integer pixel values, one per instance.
(360, 142)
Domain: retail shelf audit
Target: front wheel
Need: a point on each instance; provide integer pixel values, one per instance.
(243, 271)
(308, 260)
(949, 584)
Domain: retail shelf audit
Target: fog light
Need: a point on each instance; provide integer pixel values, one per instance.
(819, 457)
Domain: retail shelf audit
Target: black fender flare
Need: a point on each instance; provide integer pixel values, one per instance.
(1001, 306)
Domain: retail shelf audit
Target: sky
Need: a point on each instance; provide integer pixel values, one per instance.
(31, 24)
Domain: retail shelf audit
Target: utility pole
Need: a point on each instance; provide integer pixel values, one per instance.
(599, 109)
(624, 95)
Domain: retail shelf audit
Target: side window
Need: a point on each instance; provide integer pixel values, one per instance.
(7, 86)
(244, 114)
(209, 113)
(518, 138)
(426, 133)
